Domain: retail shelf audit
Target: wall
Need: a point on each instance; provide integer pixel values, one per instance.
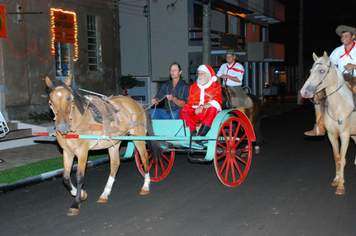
(169, 38)
(23, 71)
(133, 39)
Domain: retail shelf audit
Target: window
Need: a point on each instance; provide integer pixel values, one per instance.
(198, 16)
(92, 35)
(62, 58)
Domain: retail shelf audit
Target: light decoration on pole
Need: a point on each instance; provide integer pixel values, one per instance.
(64, 29)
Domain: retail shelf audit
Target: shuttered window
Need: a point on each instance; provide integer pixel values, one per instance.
(92, 35)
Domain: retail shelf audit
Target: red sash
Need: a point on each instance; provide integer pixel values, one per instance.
(348, 52)
(234, 69)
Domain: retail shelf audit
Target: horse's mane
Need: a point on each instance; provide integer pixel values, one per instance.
(79, 100)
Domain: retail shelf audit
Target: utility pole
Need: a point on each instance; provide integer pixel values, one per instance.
(300, 51)
(117, 45)
(206, 32)
(149, 38)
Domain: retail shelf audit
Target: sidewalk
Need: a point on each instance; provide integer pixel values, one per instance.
(28, 153)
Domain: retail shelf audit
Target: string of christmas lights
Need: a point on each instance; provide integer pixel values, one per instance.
(33, 46)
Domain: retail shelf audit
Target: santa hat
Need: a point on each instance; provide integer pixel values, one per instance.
(209, 70)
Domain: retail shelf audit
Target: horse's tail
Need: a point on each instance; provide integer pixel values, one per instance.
(257, 113)
(152, 146)
(259, 138)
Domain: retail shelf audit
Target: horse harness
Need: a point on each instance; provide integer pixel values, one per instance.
(346, 78)
(103, 111)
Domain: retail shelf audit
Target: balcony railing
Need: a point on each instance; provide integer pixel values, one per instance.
(260, 51)
(218, 39)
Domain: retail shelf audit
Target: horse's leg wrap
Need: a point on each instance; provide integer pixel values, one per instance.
(105, 195)
(146, 186)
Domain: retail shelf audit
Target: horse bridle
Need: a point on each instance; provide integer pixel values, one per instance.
(321, 81)
(55, 111)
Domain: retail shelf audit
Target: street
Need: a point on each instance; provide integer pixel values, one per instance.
(287, 192)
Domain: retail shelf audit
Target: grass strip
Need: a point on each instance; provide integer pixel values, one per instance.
(37, 168)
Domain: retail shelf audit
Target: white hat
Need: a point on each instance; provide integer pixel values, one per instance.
(208, 69)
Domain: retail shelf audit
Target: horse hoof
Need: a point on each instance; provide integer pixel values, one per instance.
(73, 212)
(144, 191)
(340, 191)
(257, 150)
(102, 200)
(335, 183)
(84, 196)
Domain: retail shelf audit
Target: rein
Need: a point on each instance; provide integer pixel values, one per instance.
(81, 120)
(339, 121)
(321, 81)
(155, 105)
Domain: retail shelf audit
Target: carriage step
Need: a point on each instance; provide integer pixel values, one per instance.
(194, 145)
(197, 159)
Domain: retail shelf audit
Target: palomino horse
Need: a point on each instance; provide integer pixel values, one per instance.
(340, 118)
(114, 116)
(253, 110)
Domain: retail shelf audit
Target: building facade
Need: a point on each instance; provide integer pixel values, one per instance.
(56, 38)
(153, 34)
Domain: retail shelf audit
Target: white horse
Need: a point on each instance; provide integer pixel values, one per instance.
(339, 118)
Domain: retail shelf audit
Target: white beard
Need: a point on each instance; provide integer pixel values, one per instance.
(202, 81)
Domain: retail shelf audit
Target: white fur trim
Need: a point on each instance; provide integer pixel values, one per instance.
(207, 85)
(203, 68)
(215, 104)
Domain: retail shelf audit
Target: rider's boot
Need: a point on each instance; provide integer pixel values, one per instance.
(319, 127)
(242, 109)
(203, 130)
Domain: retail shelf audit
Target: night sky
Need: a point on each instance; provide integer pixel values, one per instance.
(320, 21)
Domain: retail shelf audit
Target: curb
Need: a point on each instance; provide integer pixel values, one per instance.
(6, 187)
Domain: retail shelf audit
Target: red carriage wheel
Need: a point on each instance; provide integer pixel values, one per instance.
(158, 168)
(233, 152)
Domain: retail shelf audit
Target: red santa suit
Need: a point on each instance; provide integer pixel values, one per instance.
(199, 95)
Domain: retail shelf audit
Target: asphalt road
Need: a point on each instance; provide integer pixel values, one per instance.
(287, 192)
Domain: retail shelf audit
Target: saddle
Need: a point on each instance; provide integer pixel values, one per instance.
(231, 100)
(350, 81)
(104, 113)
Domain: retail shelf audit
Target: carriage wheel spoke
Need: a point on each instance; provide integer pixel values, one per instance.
(223, 166)
(158, 167)
(236, 133)
(227, 169)
(237, 165)
(161, 164)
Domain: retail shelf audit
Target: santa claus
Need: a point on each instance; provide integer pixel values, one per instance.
(204, 101)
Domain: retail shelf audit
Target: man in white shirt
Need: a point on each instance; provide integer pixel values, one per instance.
(232, 74)
(344, 57)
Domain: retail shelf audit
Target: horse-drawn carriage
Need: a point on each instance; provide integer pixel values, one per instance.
(228, 143)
